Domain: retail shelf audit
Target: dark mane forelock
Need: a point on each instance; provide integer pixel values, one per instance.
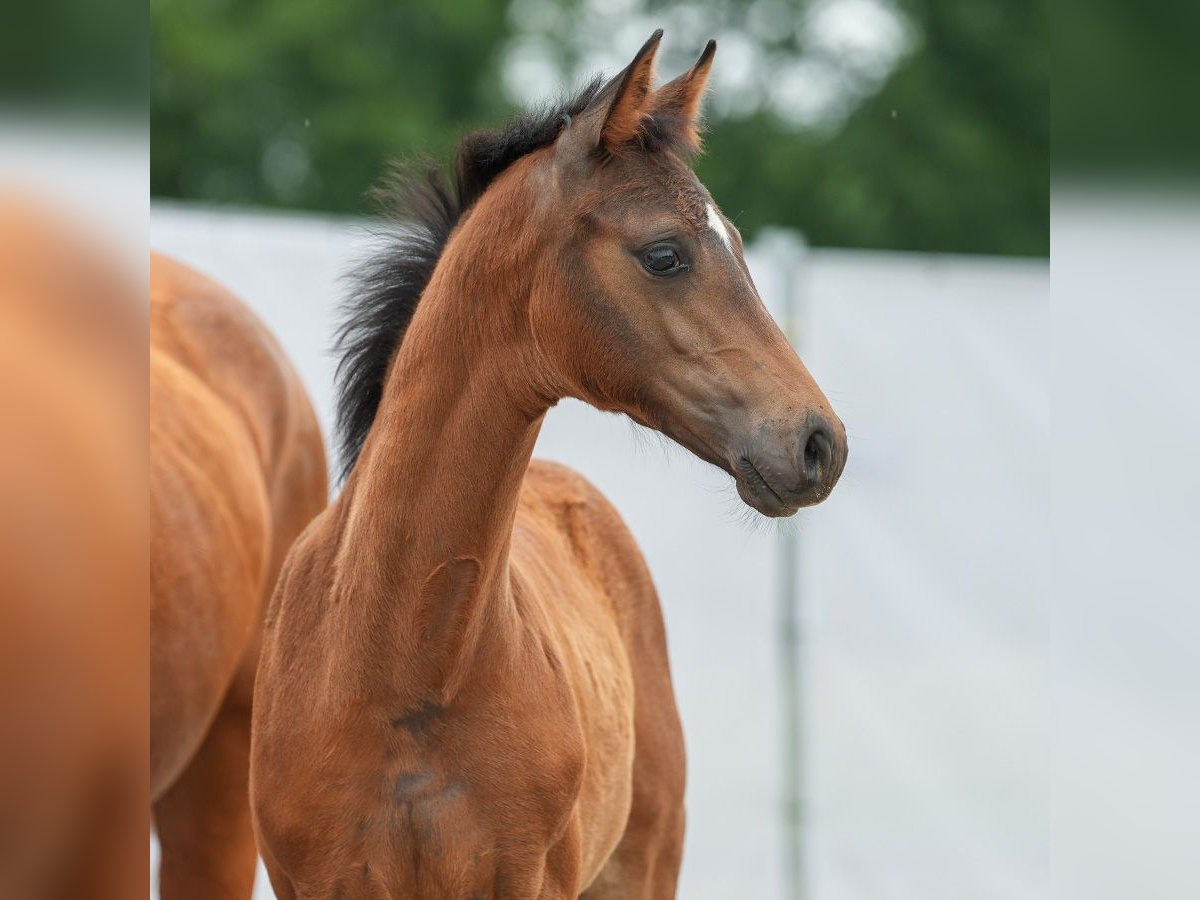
(422, 206)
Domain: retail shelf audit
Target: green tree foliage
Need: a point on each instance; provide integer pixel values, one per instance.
(950, 155)
(75, 55)
(1124, 102)
(301, 103)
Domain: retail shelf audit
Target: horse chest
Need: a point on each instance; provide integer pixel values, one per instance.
(447, 810)
(530, 781)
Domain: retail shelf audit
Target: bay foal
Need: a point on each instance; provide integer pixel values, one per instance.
(237, 469)
(464, 689)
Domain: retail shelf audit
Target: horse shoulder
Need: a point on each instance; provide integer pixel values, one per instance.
(599, 538)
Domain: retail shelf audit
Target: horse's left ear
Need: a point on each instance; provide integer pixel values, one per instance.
(679, 100)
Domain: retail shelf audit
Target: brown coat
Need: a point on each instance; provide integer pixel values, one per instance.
(237, 469)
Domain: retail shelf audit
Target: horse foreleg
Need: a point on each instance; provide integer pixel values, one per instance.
(203, 821)
(645, 864)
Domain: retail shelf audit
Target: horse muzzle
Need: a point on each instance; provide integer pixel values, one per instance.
(777, 474)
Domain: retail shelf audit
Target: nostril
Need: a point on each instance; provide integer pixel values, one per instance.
(818, 454)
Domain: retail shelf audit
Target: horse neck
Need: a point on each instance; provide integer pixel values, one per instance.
(439, 477)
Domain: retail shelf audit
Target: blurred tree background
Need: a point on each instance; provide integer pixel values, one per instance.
(899, 124)
(74, 55)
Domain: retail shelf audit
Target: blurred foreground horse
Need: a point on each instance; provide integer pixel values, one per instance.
(73, 648)
(464, 689)
(237, 469)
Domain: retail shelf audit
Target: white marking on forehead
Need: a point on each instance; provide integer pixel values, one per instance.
(717, 224)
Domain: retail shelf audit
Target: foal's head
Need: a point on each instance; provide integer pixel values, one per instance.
(638, 298)
(648, 307)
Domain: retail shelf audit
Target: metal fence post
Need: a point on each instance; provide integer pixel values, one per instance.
(790, 252)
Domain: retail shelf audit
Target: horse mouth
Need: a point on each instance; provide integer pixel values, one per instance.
(757, 492)
(753, 487)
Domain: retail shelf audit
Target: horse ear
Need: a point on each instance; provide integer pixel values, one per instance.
(624, 118)
(614, 117)
(679, 100)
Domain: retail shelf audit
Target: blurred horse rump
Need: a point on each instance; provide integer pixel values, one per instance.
(237, 469)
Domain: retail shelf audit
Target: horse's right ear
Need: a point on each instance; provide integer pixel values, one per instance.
(614, 116)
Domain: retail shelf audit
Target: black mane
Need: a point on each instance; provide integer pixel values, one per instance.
(423, 207)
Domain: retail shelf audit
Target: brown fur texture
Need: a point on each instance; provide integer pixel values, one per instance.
(464, 689)
(237, 469)
(73, 605)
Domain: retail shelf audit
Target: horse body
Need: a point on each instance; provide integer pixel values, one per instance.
(236, 470)
(518, 780)
(464, 689)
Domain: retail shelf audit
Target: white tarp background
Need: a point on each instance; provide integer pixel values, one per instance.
(922, 580)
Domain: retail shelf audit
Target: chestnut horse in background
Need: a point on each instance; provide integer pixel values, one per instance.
(237, 469)
(464, 689)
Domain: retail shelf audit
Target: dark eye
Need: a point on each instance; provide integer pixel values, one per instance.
(663, 259)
